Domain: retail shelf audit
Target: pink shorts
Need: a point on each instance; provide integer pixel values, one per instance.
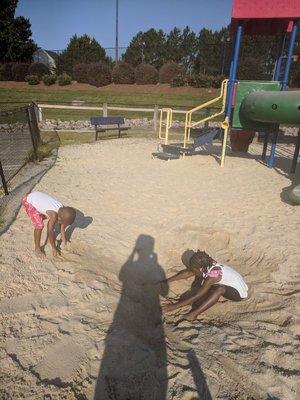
(35, 216)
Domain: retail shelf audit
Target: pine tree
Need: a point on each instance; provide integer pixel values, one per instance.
(147, 47)
(82, 49)
(15, 35)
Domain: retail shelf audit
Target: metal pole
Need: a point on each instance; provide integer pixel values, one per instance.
(289, 56)
(284, 86)
(3, 180)
(117, 30)
(276, 77)
(230, 90)
(155, 118)
(264, 152)
(234, 66)
(296, 154)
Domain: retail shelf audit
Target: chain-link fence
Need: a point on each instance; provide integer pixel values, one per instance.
(19, 137)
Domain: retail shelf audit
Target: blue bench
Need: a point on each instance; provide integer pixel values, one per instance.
(103, 124)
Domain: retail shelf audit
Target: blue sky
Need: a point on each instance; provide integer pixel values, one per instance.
(53, 22)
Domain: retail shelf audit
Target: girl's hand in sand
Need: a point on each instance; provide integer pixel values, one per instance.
(54, 253)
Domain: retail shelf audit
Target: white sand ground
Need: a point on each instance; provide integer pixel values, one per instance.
(89, 326)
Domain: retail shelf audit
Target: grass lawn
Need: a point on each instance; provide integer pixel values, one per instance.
(131, 95)
(54, 139)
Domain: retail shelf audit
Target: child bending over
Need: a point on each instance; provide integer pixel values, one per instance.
(216, 280)
(39, 207)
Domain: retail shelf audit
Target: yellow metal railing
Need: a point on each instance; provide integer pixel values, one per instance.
(167, 122)
(168, 113)
(188, 117)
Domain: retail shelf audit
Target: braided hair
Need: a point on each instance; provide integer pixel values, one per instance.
(202, 260)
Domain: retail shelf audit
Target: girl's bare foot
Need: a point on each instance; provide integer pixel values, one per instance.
(39, 253)
(190, 317)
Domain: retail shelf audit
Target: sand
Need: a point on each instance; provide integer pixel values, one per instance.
(88, 325)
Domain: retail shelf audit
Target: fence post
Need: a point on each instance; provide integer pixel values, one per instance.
(207, 114)
(3, 180)
(104, 109)
(31, 132)
(155, 117)
(40, 114)
(37, 111)
(35, 119)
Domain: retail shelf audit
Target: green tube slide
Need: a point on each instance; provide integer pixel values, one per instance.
(272, 107)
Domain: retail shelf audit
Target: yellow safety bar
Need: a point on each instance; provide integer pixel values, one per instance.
(225, 127)
(188, 117)
(167, 122)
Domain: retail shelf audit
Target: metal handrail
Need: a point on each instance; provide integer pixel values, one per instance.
(188, 116)
(167, 123)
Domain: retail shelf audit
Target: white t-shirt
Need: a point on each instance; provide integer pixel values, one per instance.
(43, 202)
(230, 277)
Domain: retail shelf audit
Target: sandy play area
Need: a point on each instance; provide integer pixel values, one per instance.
(89, 325)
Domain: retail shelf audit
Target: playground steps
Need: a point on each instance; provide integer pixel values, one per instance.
(172, 151)
(176, 150)
(165, 156)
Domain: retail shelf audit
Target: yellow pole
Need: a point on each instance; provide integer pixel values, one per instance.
(225, 126)
(189, 128)
(160, 124)
(167, 127)
(185, 129)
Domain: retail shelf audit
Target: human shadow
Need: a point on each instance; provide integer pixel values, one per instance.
(198, 376)
(134, 363)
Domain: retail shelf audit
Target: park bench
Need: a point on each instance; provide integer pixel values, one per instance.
(103, 124)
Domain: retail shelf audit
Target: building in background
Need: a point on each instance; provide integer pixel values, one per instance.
(45, 57)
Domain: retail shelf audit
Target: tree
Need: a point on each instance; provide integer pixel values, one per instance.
(147, 48)
(83, 49)
(182, 47)
(209, 49)
(257, 57)
(15, 35)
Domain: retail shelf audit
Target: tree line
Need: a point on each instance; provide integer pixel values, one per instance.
(206, 52)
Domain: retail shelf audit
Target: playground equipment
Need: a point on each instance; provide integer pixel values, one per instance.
(295, 195)
(175, 151)
(258, 106)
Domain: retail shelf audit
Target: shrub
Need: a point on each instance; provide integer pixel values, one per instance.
(38, 69)
(123, 73)
(32, 79)
(99, 74)
(49, 79)
(64, 79)
(207, 81)
(180, 80)
(6, 72)
(19, 71)
(216, 81)
(168, 72)
(80, 72)
(146, 74)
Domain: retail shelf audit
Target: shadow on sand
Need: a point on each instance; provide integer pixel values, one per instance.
(134, 362)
